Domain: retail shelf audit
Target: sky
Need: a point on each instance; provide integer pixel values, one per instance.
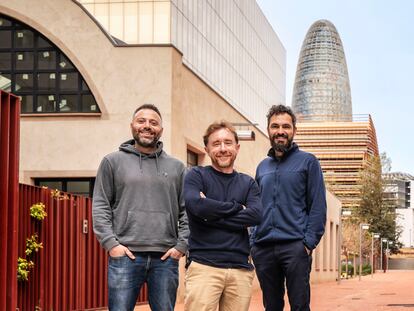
(378, 39)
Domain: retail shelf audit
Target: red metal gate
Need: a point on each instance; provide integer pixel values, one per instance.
(9, 179)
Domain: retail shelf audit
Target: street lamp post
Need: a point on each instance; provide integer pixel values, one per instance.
(346, 263)
(388, 253)
(361, 227)
(374, 236)
(339, 248)
(382, 241)
(386, 256)
(355, 268)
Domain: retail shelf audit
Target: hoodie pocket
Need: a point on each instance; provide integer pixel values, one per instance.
(147, 226)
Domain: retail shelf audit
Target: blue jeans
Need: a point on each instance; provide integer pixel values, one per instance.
(126, 277)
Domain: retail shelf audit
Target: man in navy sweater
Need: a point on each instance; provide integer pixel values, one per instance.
(221, 204)
(294, 215)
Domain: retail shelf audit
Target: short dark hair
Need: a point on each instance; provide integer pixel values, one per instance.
(147, 106)
(218, 126)
(280, 109)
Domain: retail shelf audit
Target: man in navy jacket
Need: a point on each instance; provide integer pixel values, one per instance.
(221, 204)
(294, 215)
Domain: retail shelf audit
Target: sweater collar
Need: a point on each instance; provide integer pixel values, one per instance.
(225, 175)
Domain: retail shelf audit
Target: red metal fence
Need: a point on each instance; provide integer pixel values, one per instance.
(9, 179)
(70, 271)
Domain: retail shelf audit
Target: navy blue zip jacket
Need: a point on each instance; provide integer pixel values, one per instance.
(218, 223)
(293, 198)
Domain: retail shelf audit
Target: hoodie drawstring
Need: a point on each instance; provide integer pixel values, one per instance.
(156, 164)
(140, 163)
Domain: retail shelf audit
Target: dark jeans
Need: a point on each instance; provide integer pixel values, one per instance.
(126, 277)
(280, 262)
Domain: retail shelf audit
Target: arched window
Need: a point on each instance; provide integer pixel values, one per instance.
(35, 69)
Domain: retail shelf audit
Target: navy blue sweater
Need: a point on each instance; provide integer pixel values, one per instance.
(218, 223)
(293, 198)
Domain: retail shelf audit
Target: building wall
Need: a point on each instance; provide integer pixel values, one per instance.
(405, 219)
(398, 189)
(398, 192)
(325, 256)
(133, 21)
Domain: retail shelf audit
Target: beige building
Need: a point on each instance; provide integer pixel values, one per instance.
(325, 257)
(343, 148)
(82, 67)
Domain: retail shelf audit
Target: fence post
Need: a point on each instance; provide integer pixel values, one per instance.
(9, 187)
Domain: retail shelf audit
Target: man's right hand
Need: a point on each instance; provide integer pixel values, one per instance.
(121, 250)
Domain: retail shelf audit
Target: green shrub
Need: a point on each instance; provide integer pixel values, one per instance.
(23, 268)
(366, 269)
(32, 245)
(350, 269)
(37, 211)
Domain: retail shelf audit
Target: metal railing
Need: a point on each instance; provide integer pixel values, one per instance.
(333, 118)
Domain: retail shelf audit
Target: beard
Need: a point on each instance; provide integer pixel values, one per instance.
(281, 147)
(146, 142)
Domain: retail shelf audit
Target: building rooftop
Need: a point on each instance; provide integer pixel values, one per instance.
(398, 175)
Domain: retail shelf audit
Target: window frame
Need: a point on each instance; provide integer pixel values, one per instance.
(64, 181)
(39, 46)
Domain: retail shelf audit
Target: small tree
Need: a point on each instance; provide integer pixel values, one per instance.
(350, 237)
(385, 162)
(373, 209)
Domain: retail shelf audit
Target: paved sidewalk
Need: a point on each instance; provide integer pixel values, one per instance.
(393, 290)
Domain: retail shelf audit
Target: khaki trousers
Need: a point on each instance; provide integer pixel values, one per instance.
(207, 288)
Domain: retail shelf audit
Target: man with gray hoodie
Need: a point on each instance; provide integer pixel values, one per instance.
(139, 217)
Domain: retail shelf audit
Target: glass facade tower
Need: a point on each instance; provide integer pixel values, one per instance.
(322, 91)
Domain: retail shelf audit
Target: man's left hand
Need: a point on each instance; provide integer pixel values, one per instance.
(173, 253)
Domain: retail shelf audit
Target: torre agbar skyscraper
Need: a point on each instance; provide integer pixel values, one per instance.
(342, 142)
(322, 91)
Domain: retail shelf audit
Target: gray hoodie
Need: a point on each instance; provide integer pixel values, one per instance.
(138, 201)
